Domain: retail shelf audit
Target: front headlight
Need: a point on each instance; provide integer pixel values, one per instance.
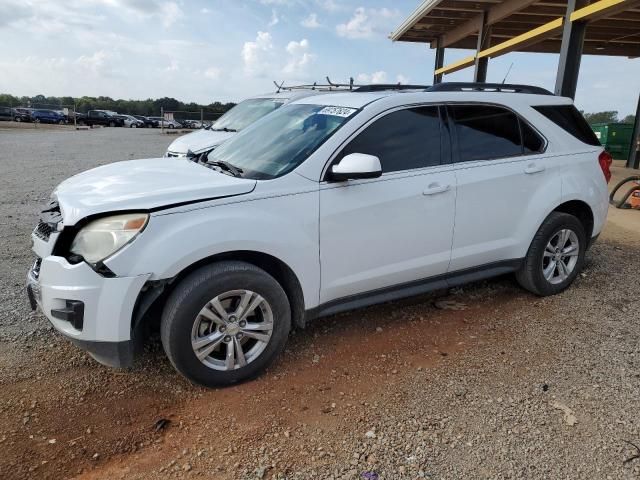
(105, 236)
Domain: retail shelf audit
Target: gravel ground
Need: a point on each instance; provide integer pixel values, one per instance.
(500, 384)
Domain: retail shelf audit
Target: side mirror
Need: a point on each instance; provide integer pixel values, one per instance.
(355, 166)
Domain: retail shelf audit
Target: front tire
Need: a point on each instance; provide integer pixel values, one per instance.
(555, 257)
(225, 323)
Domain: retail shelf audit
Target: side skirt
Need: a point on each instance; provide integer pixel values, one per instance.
(410, 289)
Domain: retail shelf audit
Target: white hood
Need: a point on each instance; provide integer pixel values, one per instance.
(198, 141)
(143, 185)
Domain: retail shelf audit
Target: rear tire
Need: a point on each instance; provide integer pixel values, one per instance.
(191, 324)
(555, 257)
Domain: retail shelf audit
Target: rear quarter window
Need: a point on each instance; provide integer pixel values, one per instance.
(570, 120)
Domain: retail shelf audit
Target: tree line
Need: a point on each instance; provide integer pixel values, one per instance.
(130, 107)
(607, 117)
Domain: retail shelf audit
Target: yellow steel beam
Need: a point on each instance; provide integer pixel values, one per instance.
(527, 38)
(601, 9)
(459, 65)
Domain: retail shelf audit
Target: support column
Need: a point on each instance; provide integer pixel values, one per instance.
(484, 41)
(634, 155)
(570, 51)
(437, 78)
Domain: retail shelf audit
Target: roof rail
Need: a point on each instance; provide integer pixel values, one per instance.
(351, 86)
(378, 87)
(487, 87)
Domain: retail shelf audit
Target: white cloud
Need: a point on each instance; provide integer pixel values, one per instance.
(311, 21)
(402, 79)
(212, 73)
(255, 54)
(170, 13)
(96, 63)
(205, 11)
(299, 56)
(274, 18)
(368, 22)
(173, 66)
(277, 2)
(330, 5)
(376, 77)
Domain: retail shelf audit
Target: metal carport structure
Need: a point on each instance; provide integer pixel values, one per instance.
(496, 27)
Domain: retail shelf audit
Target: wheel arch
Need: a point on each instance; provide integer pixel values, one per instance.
(152, 298)
(582, 211)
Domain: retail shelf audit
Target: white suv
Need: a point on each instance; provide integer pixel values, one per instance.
(334, 202)
(239, 117)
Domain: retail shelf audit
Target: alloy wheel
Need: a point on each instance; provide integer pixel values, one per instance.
(232, 330)
(560, 256)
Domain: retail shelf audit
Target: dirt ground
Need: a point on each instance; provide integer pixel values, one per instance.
(500, 384)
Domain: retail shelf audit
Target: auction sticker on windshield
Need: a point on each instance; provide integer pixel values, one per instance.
(337, 111)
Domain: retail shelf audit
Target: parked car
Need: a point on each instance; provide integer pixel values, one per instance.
(102, 117)
(6, 113)
(334, 202)
(192, 123)
(47, 116)
(76, 117)
(234, 120)
(132, 122)
(22, 114)
(148, 123)
(163, 122)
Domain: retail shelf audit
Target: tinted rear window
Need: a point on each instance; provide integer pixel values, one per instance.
(486, 132)
(569, 119)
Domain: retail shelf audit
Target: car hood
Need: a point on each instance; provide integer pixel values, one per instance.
(143, 185)
(198, 141)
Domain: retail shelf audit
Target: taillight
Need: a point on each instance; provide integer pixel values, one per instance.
(605, 160)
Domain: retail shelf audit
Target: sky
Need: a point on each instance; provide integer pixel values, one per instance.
(227, 50)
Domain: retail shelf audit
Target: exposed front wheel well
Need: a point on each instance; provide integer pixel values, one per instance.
(582, 211)
(146, 315)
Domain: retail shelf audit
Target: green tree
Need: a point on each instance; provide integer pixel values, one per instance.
(602, 117)
(629, 119)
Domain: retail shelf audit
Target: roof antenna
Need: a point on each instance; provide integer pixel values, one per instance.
(508, 71)
(278, 86)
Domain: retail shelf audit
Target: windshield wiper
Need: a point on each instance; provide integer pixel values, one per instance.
(227, 167)
(224, 129)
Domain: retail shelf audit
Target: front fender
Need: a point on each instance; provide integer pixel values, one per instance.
(285, 227)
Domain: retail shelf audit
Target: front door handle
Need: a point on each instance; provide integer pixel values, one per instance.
(533, 168)
(434, 188)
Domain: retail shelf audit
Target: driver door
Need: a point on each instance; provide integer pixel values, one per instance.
(394, 230)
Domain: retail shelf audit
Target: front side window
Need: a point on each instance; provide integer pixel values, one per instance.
(402, 140)
(275, 145)
(247, 112)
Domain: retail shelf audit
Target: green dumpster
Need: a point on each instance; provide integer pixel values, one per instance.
(615, 137)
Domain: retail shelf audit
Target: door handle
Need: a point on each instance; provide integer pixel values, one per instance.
(434, 188)
(533, 168)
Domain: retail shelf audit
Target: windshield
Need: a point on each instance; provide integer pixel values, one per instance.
(247, 112)
(278, 144)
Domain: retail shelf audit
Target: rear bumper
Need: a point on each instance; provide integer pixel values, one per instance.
(92, 311)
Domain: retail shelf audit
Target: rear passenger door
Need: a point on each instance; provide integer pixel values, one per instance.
(395, 229)
(505, 181)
